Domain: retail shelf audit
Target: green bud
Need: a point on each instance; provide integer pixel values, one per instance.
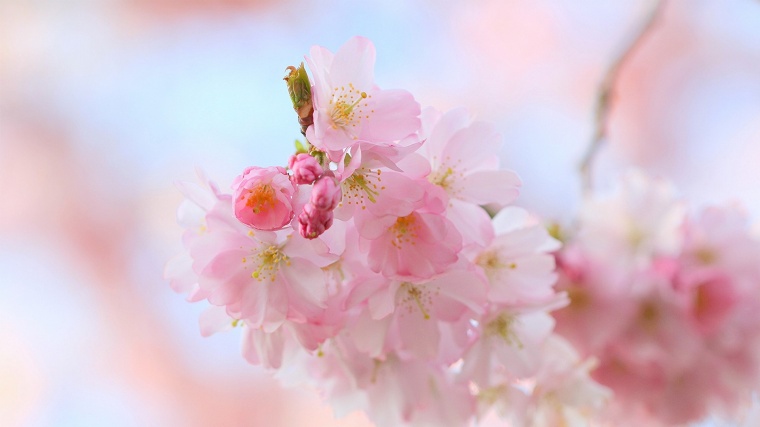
(299, 90)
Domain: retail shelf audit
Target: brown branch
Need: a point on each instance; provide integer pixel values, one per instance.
(606, 95)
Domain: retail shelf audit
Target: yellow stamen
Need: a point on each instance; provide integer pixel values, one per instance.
(268, 261)
(346, 106)
(502, 327)
(404, 230)
(419, 295)
(260, 198)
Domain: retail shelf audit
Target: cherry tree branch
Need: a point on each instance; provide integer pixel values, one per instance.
(606, 97)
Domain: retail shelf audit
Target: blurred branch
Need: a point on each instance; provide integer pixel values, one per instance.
(606, 97)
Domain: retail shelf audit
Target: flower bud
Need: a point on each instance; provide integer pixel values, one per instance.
(306, 169)
(299, 89)
(326, 193)
(312, 222)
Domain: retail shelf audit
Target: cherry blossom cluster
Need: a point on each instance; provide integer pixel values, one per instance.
(370, 268)
(668, 302)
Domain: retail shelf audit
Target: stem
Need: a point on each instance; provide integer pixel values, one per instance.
(606, 95)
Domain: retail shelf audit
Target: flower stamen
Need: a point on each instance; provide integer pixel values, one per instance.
(268, 262)
(346, 106)
(404, 230)
(260, 198)
(502, 327)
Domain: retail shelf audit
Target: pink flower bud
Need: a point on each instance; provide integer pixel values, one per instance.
(306, 169)
(326, 193)
(263, 198)
(312, 222)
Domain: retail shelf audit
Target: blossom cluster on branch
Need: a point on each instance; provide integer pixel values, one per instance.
(370, 267)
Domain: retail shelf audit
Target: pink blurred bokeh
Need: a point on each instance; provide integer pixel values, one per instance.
(103, 105)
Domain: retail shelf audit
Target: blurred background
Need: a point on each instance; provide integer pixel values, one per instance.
(105, 103)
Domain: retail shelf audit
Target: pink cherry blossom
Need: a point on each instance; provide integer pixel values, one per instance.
(371, 269)
(349, 107)
(261, 277)
(564, 393)
(370, 191)
(263, 198)
(409, 318)
(559, 393)
(192, 216)
(636, 223)
(509, 341)
(392, 391)
(518, 260)
(416, 245)
(464, 158)
(464, 163)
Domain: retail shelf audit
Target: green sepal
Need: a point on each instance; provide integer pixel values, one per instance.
(299, 88)
(300, 148)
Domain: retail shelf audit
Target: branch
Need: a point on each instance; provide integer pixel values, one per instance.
(606, 95)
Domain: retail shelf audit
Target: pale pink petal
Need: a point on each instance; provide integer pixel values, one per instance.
(393, 115)
(197, 194)
(307, 282)
(419, 335)
(499, 187)
(382, 303)
(214, 319)
(354, 63)
(320, 61)
(465, 287)
(509, 219)
(369, 334)
(438, 129)
(472, 221)
(179, 271)
(459, 149)
(275, 306)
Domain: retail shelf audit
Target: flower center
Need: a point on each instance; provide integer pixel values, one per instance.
(502, 327)
(416, 296)
(363, 184)
(705, 256)
(442, 176)
(446, 176)
(347, 108)
(404, 230)
(260, 198)
(649, 315)
(492, 264)
(267, 263)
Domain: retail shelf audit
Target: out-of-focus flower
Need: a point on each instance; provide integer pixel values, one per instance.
(672, 320)
(638, 222)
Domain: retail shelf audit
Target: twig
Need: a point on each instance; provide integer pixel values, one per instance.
(605, 99)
